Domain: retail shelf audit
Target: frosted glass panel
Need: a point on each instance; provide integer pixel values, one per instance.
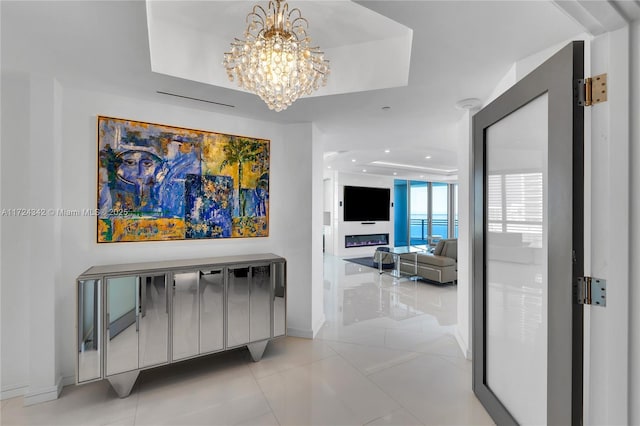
(516, 257)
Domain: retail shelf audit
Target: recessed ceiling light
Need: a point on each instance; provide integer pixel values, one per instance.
(469, 103)
(413, 167)
(387, 151)
(364, 170)
(328, 167)
(421, 176)
(395, 174)
(428, 157)
(353, 160)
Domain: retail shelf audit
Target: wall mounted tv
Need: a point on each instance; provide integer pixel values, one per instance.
(364, 204)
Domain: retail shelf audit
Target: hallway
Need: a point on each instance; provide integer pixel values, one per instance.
(385, 356)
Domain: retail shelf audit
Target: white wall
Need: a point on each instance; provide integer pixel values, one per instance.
(607, 329)
(56, 126)
(465, 232)
(508, 80)
(342, 228)
(14, 175)
(302, 229)
(317, 260)
(634, 299)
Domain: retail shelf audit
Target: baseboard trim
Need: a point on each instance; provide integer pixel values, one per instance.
(463, 345)
(297, 332)
(13, 391)
(306, 333)
(45, 394)
(318, 325)
(68, 380)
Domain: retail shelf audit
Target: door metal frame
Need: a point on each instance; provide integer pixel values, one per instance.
(555, 77)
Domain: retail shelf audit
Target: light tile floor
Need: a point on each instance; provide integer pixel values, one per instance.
(385, 356)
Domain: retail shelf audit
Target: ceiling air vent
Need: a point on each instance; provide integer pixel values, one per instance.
(194, 99)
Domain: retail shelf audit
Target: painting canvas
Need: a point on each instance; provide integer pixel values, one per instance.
(158, 182)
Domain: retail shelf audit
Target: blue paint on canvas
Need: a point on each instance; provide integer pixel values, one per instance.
(255, 202)
(208, 206)
(172, 190)
(149, 185)
(145, 170)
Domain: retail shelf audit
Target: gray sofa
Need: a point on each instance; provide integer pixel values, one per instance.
(441, 266)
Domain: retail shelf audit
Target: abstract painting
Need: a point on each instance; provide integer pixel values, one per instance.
(158, 183)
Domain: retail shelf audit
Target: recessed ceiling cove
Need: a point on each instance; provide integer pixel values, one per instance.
(367, 51)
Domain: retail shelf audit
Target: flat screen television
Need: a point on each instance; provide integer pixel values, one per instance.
(364, 204)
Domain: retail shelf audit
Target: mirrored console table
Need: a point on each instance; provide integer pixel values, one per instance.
(131, 317)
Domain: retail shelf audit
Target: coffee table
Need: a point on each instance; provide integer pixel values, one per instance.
(395, 253)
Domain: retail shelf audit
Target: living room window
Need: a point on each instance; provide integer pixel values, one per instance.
(424, 212)
(419, 212)
(454, 189)
(440, 210)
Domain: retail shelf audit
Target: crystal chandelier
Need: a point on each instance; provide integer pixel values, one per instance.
(276, 60)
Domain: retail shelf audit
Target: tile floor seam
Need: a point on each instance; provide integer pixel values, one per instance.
(374, 346)
(377, 418)
(390, 366)
(382, 368)
(135, 414)
(250, 421)
(117, 419)
(449, 359)
(267, 399)
(366, 376)
(390, 397)
(394, 411)
(120, 420)
(294, 366)
(201, 409)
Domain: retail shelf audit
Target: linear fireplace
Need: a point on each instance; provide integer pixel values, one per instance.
(366, 240)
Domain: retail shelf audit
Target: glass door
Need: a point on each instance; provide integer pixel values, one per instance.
(400, 213)
(439, 212)
(419, 213)
(527, 354)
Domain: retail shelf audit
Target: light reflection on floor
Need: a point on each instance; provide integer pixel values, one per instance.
(385, 356)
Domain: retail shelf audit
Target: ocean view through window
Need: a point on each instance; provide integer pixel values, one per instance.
(422, 212)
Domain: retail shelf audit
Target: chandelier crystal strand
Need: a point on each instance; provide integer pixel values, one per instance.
(276, 60)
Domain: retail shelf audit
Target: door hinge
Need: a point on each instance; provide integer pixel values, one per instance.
(592, 291)
(591, 90)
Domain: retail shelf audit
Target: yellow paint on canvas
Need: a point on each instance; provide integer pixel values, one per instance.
(213, 154)
(143, 229)
(104, 234)
(250, 177)
(250, 227)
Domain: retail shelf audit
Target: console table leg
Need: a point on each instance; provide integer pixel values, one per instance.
(257, 349)
(123, 383)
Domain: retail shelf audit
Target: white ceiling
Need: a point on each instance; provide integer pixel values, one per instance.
(459, 50)
(367, 51)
